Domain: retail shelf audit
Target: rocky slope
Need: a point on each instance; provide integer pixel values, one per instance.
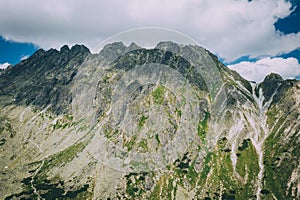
(132, 123)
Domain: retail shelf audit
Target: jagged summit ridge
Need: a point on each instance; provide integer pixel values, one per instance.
(114, 50)
(44, 78)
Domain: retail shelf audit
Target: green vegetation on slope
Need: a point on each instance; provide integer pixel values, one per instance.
(158, 94)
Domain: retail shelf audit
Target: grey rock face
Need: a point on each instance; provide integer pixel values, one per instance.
(270, 85)
(44, 78)
(113, 51)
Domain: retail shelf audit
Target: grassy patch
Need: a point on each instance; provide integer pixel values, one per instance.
(280, 162)
(179, 112)
(218, 172)
(203, 127)
(60, 158)
(142, 121)
(158, 95)
(164, 188)
(65, 122)
(54, 188)
(143, 144)
(129, 144)
(247, 163)
(206, 167)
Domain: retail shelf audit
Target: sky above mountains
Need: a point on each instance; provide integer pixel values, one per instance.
(253, 37)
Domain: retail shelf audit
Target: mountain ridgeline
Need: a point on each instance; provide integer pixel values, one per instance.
(170, 122)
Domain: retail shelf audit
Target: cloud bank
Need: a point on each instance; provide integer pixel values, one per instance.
(229, 28)
(256, 71)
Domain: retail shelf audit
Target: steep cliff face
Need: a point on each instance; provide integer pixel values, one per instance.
(132, 123)
(44, 78)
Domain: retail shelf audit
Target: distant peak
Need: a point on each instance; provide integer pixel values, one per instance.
(166, 43)
(65, 48)
(114, 50)
(168, 46)
(114, 46)
(270, 85)
(77, 48)
(273, 77)
(39, 52)
(133, 46)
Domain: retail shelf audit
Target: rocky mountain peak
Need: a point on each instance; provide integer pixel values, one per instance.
(273, 77)
(133, 46)
(76, 49)
(39, 53)
(113, 51)
(43, 79)
(270, 84)
(168, 46)
(65, 48)
(80, 49)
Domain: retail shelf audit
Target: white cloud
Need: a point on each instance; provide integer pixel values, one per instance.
(229, 28)
(256, 71)
(4, 65)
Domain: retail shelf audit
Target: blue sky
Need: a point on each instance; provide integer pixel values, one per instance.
(252, 37)
(12, 52)
(291, 24)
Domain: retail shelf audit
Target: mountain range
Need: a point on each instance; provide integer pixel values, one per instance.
(170, 122)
